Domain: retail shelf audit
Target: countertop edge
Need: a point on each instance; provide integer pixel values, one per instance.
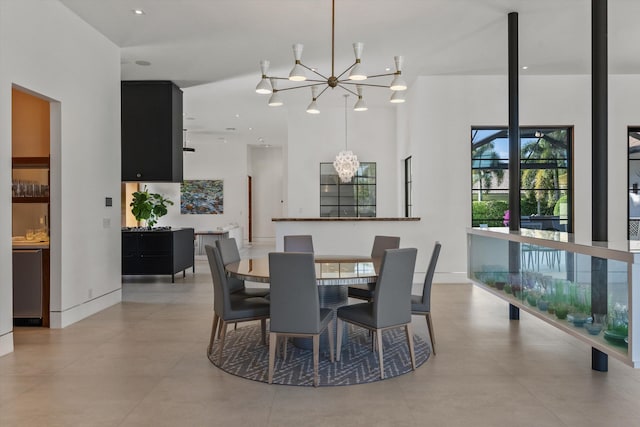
(399, 219)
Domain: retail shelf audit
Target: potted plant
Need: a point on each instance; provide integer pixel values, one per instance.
(148, 207)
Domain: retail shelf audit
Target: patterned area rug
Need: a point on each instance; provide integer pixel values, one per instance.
(245, 356)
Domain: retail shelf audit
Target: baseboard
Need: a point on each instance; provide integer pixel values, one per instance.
(62, 319)
(451, 278)
(418, 277)
(6, 343)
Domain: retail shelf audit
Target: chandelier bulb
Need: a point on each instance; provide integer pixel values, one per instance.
(263, 87)
(399, 60)
(357, 50)
(297, 51)
(264, 67)
(360, 104)
(275, 100)
(398, 83)
(397, 97)
(313, 107)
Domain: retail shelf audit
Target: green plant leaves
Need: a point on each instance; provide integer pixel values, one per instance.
(149, 206)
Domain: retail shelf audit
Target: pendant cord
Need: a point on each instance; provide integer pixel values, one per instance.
(333, 36)
(345, 122)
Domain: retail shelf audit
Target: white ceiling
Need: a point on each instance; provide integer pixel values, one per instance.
(212, 48)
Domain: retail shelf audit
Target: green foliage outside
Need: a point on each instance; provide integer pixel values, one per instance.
(490, 212)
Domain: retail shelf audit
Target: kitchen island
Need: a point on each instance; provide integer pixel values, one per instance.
(157, 251)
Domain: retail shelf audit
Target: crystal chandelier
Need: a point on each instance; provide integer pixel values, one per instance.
(346, 163)
(351, 79)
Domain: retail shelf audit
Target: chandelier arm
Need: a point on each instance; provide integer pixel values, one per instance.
(323, 91)
(382, 75)
(314, 71)
(345, 71)
(362, 84)
(349, 90)
(301, 86)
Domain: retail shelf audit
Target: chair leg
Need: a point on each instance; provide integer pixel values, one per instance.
(339, 326)
(316, 351)
(431, 336)
(219, 329)
(380, 358)
(263, 330)
(273, 339)
(330, 336)
(214, 327)
(285, 341)
(409, 330)
(223, 333)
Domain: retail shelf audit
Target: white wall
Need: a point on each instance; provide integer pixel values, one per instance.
(441, 111)
(213, 159)
(267, 173)
(624, 111)
(318, 138)
(49, 50)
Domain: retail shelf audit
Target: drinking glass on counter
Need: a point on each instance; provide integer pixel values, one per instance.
(30, 234)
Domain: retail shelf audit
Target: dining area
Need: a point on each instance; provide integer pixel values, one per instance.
(296, 317)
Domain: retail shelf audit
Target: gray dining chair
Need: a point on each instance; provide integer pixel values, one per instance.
(298, 243)
(421, 304)
(295, 305)
(380, 244)
(228, 308)
(229, 252)
(391, 305)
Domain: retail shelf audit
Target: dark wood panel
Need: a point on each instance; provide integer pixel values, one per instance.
(151, 128)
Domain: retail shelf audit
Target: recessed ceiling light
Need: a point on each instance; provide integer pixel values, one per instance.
(138, 12)
(524, 67)
(237, 116)
(143, 63)
(250, 128)
(387, 69)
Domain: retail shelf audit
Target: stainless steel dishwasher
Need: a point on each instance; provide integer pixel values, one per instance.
(27, 286)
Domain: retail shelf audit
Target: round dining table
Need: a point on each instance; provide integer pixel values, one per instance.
(331, 270)
(334, 274)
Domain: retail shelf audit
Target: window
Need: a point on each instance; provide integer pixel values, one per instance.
(545, 177)
(408, 188)
(634, 182)
(352, 199)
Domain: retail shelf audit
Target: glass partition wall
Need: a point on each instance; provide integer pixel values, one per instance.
(545, 177)
(554, 283)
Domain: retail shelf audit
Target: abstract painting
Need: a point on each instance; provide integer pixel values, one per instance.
(202, 197)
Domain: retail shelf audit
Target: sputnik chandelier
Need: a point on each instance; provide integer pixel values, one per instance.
(351, 78)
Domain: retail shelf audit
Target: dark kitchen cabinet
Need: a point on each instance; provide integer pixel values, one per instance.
(151, 126)
(156, 252)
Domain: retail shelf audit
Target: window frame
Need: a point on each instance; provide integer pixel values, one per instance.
(501, 162)
(341, 192)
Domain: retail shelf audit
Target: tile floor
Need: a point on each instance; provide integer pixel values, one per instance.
(143, 363)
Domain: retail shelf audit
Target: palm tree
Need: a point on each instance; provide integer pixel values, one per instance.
(486, 168)
(544, 156)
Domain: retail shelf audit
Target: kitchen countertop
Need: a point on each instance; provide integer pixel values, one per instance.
(30, 244)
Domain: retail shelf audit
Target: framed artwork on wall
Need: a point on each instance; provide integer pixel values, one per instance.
(202, 196)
